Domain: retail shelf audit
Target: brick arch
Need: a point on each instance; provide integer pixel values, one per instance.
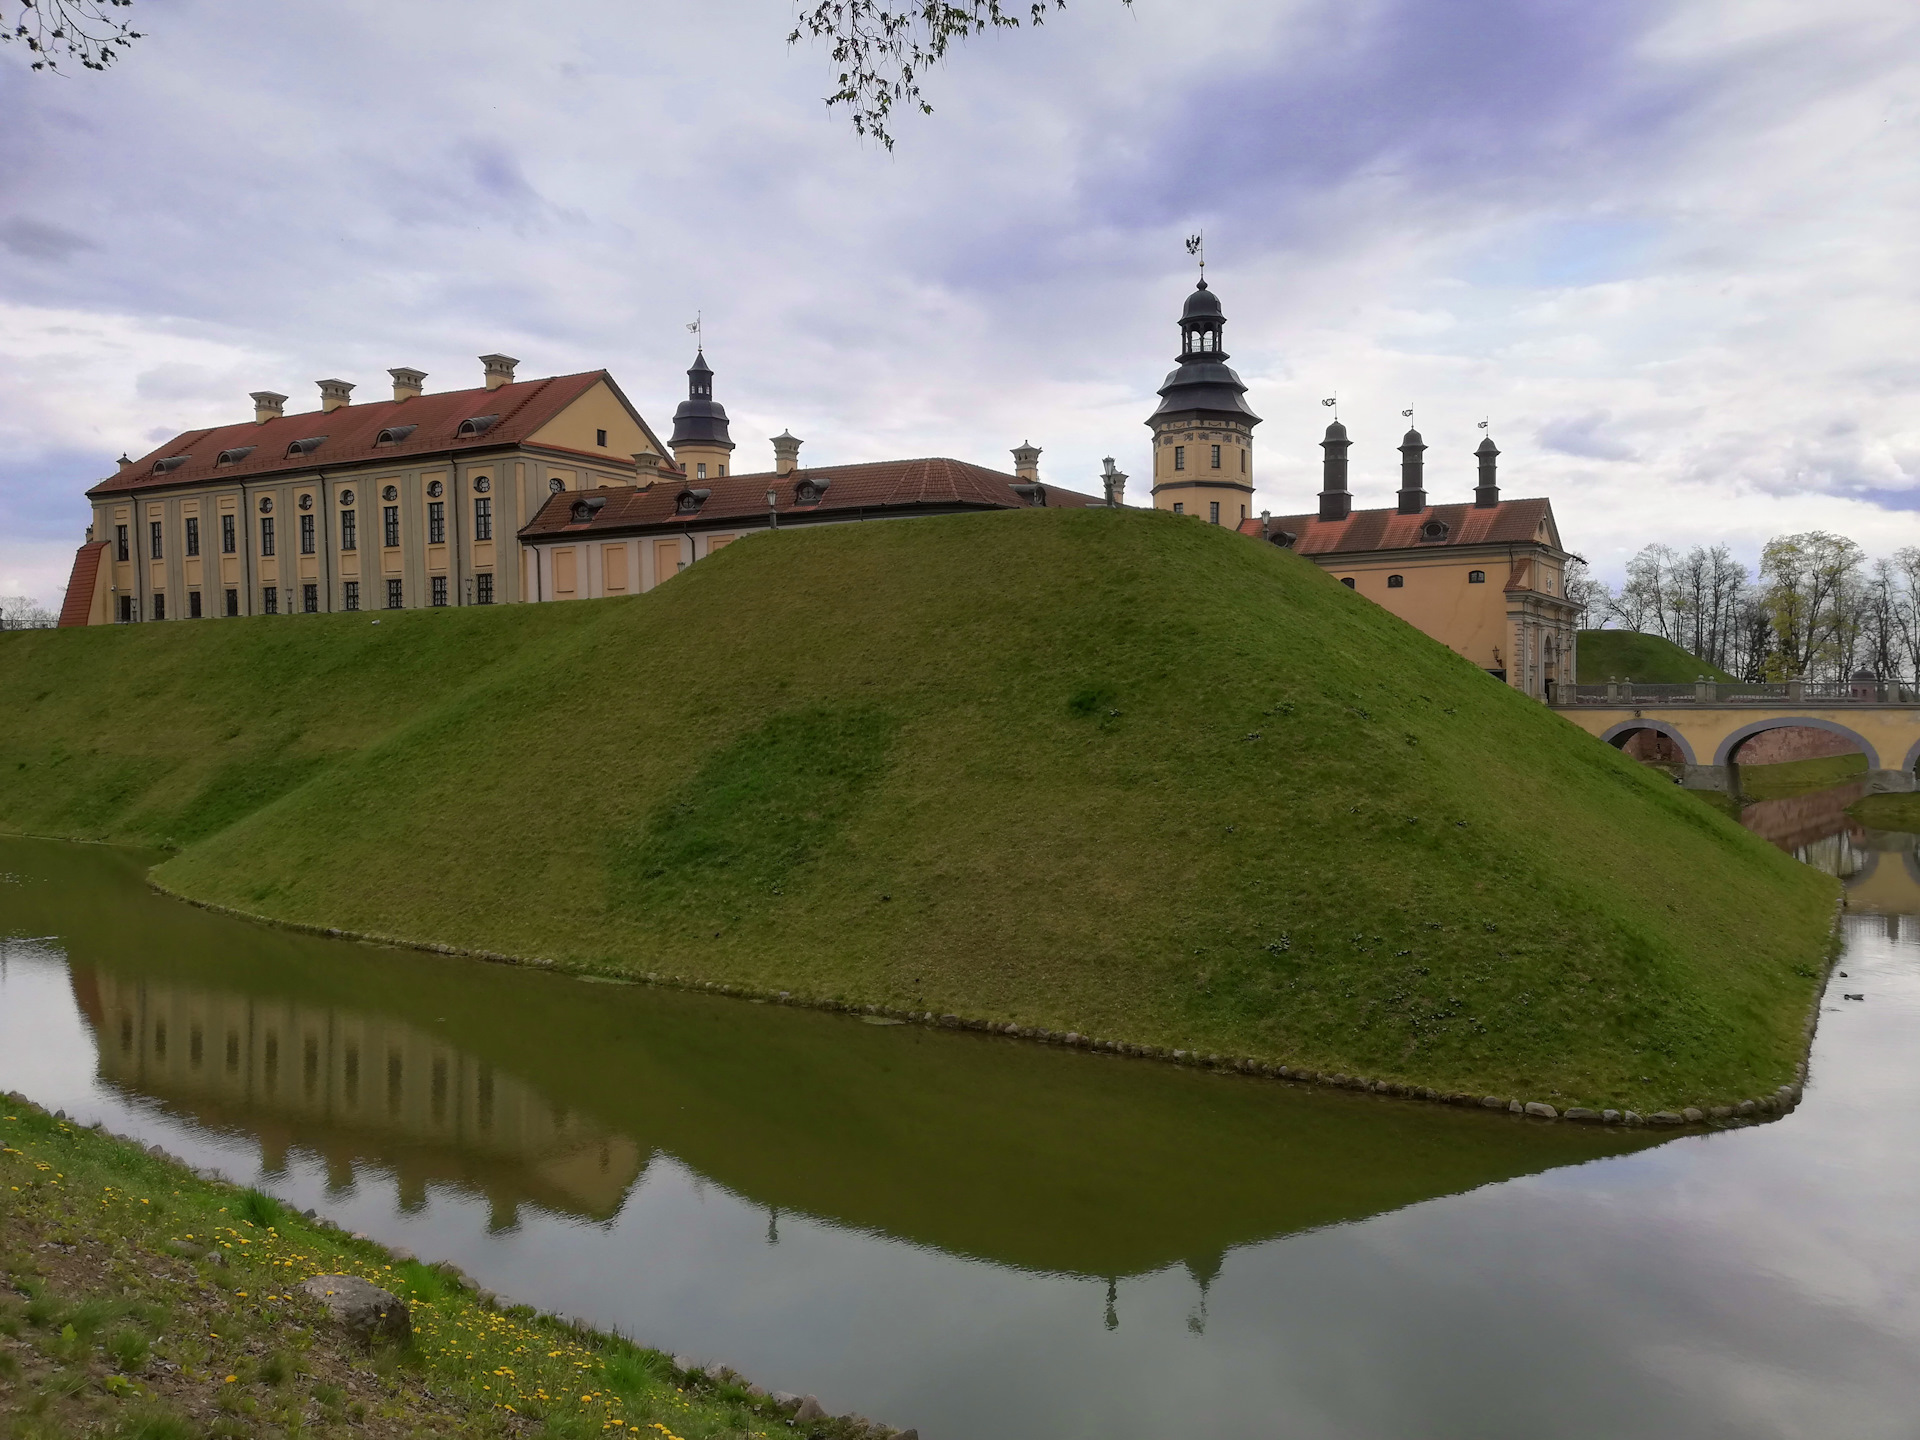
(1913, 758)
(1723, 756)
(1616, 735)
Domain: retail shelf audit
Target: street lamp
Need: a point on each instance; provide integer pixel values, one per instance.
(773, 508)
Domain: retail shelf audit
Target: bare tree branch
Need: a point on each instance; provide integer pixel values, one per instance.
(883, 47)
(56, 30)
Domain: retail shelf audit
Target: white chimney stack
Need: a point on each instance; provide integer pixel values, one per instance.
(407, 383)
(786, 453)
(499, 370)
(267, 405)
(334, 394)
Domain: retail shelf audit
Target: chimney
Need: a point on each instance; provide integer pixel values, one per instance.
(334, 394)
(499, 370)
(1114, 483)
(1026, 462)
(1335, 502)
(125, 460)
(268, 406)
(1487, 494)
(786, 454)
(407, 383)
(1413, 469)
(647, 465)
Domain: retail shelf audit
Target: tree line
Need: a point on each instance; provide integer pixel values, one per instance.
(1817, 608)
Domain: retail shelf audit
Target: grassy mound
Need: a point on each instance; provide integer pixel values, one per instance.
(1629, 655)
(1105, 771)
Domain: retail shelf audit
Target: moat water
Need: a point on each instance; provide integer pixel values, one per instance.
(982, 1238)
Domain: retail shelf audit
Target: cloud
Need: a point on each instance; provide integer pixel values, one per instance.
(1580, 435)
(37, 240)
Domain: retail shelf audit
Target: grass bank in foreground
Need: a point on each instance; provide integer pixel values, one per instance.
(142, 1302)
(1101, 771)
(1629, 655)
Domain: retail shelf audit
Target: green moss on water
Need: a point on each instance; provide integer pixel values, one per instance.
(1113, 772)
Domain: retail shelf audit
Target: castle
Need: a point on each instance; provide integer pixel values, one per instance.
(558, 489)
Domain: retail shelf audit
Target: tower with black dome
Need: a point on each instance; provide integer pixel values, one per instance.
(701, 445)
(1203, 430)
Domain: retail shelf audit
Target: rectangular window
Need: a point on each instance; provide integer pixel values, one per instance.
(436, 522)
(1178, 508)
(600, 438)
(159, 607)
(1216, 457)
(266, 535)
(153, 539)
(351, 597)
(310, 599)
(1179, 457)
(349, 535)
(193, 535)
(306, 534)
(193, 604)
(703, 469)
(394, 600)
(126, 607)
(439, 590)
(483, 588)
(390, 522)
(120, 543)
(483, 519)
(226, 536)
(1243, 462)
(1213, 511)
(270, 600)
(233, 598)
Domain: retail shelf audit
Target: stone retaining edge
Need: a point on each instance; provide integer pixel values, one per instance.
(1741, 1112)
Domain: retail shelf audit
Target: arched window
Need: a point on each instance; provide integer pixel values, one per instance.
(1347, 580)
(1476, 577)
(1396, 582)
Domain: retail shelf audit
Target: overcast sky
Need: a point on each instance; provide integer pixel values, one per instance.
(1667, 249)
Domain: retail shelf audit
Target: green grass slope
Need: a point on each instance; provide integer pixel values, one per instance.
(1093, 770)
(1629, 655)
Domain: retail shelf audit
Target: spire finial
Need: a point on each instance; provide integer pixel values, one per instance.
(1197, 247)
(699, 332)
(1334, 401)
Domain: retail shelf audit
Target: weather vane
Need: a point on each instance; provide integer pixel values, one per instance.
(699, 336)
(1407, 413)
(1334, 401)
(1197, 246)
(1483, 423)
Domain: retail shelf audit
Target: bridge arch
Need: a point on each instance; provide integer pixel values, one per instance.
(1913, 758)
(1618, 735)
(1723, 756)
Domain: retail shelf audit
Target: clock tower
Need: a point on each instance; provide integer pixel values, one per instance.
(1203, 430)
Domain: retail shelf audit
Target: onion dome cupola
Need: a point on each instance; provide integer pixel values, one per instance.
(1413, 470)
(701, 444)
(1336, 503)
(1203, 428)
(1487, 493)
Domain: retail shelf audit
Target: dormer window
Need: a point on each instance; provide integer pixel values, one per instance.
(394, 434)
(690, 501)
(586, 507)
(1433, 530)
(233, 456)
(475, 425)
(806, 494)
(172, 462)
(305, 447)
(581, 514)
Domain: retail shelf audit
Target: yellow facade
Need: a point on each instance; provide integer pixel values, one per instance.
(1197, 468)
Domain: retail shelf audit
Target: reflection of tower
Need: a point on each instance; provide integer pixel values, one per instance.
(1113, 1303)
(1203, 430)
(773, 1225)
(1203, 1275)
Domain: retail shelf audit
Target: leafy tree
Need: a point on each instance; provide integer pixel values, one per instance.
(1810, 593)
(85, 31)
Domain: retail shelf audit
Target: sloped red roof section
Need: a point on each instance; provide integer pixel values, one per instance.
(888, 486)
(350, 431)
(86, 571)
(1508, 523)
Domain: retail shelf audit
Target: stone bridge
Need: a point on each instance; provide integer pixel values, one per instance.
(1708, 723)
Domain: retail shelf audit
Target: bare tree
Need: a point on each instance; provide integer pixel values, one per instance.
(19, 613)
(1591, 595)
(85, 31)
(884, 47)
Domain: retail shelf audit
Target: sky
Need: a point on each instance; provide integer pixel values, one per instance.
(1666, 250)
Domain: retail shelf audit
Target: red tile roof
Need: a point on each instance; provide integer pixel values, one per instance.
(892, 486)
(1511, 522)
(77, 608)
(522, 408)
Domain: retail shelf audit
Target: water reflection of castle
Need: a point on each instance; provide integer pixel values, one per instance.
(346, 1086)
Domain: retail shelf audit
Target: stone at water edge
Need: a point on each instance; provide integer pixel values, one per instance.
(362, 1307)
(1540, 1110)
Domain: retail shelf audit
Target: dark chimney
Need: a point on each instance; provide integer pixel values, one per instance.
(1335, 502)
(1413, 485)
(1487, 493)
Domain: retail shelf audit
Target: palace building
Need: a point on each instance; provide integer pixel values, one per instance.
(558, 489)
(517, 490)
